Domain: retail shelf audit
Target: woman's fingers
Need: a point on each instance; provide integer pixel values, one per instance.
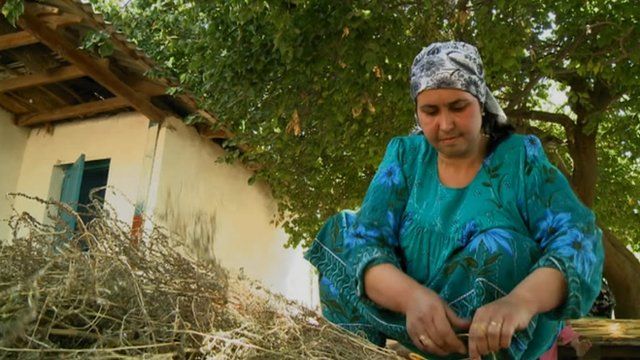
(419, 334)
(506, 334)
(456, 321)
(448, 339)
(494, 333)
(478, 337)
(431, 346)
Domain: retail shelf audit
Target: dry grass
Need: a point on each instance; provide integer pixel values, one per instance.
(99, 292)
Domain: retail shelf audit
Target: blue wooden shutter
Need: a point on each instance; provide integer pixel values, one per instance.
(71, 189)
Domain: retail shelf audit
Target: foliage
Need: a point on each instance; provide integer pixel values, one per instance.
(98, 42)
(316, 88)
(12, 10)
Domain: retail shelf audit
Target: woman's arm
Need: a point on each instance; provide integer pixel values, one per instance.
(389, 287)
(430, 321)
(543, 290)
(494, 324)
(566, 278)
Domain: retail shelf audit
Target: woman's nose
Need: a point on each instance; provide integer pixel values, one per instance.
(445, 121)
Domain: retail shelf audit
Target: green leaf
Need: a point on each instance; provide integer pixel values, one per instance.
(12, 10)
(253, 63)
(252, 180)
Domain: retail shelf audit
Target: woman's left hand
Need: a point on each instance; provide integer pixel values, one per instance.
(494, 324)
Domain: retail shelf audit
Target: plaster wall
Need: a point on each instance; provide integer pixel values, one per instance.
(211, 206)
(122, 138)
(13, 141)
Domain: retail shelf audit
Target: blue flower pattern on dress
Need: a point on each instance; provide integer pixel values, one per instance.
(360, 235)
(533, 148)
(551, 224)
(468, 233)
(576, 245)
(325, 282)
(492, 239)
(390, 176)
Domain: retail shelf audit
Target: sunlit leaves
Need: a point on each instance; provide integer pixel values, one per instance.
(316, 88)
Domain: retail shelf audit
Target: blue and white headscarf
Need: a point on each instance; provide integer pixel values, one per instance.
(453, 65)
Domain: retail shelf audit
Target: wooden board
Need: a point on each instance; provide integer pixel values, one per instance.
(609, 332)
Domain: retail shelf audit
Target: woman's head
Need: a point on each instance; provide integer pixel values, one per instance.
(458, 66)
(451, 120)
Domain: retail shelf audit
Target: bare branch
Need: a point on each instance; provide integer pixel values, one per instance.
(555, 118)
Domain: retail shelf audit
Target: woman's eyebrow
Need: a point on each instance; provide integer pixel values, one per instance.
(458, 102)
(452, 103)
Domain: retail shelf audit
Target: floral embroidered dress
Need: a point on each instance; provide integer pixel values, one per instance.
(471, 245)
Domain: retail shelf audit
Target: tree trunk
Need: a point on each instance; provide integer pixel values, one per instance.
(621, 268)
(583, 151)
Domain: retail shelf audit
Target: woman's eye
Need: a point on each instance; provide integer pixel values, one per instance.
(458, 108)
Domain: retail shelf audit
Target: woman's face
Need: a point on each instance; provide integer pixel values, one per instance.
(451, 120)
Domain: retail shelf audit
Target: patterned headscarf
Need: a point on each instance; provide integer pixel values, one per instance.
(453, 65)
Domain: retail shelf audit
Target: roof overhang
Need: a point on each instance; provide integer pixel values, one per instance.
(45, 77)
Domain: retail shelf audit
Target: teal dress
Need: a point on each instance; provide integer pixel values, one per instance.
(471, 245)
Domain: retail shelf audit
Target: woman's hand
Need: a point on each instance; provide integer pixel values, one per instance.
(430, 321)
(494, 324)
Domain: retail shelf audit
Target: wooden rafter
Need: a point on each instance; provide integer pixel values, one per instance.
(41, 9)
(73, 111)
(16, 39)
(99, 72)
(48, 77)
(148, 87)
(152, 88)
(52, 15)
(60, 21)
(214, 134)
(11, 105)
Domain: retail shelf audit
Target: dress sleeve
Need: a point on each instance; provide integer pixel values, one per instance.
(349, 243)
(374, 234)
(565, 230)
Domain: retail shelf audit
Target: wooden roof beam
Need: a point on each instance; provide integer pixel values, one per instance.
(16, 39)
(61, 21)
(44, 78)
(85, 62)
(153, 88)
(9, 104)
(213, 134)
(73, 111)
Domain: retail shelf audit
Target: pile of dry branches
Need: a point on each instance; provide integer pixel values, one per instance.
(98, 291)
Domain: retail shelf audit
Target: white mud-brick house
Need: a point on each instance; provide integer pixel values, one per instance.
(71, 121)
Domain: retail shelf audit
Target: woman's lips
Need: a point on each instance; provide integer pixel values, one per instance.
(449, 139)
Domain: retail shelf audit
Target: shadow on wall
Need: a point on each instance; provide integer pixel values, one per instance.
(196, 229)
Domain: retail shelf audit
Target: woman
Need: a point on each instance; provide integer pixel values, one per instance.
(465, 227)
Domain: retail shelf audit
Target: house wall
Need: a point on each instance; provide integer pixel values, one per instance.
(211, 206)
(121, 138)
(13, 141)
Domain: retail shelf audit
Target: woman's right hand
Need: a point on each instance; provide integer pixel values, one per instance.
(430, 323)
(429, 318)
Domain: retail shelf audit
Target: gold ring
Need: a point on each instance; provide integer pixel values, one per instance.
(493, 323)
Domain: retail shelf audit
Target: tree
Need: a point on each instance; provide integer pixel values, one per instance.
(316, 88)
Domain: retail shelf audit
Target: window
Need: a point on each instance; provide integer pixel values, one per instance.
(80, 178)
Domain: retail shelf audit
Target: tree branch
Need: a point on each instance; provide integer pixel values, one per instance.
(536, 75)
(555, 118)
